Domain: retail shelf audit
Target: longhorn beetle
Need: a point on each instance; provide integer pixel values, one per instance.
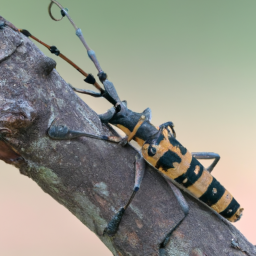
(159, 146)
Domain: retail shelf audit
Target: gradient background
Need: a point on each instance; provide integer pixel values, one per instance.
(191, 62)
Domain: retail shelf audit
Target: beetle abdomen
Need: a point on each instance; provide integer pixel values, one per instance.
(166, 154)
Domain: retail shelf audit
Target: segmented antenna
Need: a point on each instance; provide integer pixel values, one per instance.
(90, 52)
(53, 49)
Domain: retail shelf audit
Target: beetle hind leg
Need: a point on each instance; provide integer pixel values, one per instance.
(185, 208)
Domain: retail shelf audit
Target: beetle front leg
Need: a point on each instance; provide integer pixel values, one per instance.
(166, 125)
(61, 132)
(207, 155)
(113, 224)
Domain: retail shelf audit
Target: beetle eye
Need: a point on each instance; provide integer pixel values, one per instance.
(151, 151)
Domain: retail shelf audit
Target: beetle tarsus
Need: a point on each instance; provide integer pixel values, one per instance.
(113, 225)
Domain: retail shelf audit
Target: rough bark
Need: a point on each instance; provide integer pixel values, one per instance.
(93, 178)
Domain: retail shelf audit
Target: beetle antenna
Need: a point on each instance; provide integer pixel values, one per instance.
(90, 52)
(110, 93)
(53, 49)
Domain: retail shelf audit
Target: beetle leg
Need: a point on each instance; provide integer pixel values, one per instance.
(184, 206)
(61, 132)
(207, 155)
(113, 224)
(166, 125)
(88, 92)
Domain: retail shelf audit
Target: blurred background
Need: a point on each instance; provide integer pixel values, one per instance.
(191, 62)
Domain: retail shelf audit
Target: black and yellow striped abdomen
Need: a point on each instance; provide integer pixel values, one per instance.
(166, 154)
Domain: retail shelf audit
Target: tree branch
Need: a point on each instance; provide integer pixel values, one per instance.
(93, 178)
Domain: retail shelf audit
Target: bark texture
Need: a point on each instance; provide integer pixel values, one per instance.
(93, 178)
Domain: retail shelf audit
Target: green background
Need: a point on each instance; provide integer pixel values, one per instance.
(192, 62)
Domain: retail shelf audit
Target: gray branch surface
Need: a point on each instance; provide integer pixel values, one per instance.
(94, 178)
